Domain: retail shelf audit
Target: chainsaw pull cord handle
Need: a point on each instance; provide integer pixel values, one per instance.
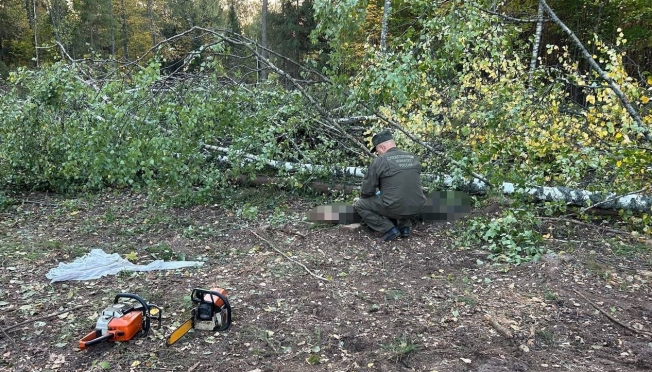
(159, 311)
(144, 308)
(197, 296)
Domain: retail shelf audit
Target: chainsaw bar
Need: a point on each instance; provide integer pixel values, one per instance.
(179, 332)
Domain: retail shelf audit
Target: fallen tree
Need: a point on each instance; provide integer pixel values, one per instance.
(635, 201)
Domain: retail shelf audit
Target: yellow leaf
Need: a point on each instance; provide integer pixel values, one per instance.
(618, 135)
(644, 99)
(135, 363)
(619, 163)
(133, 257)
(649, 80)
(590, 99)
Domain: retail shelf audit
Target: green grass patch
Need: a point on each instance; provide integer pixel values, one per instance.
(163, 252)
(400, 348)
(627, 249)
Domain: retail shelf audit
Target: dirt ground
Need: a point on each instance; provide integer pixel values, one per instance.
(311, 297)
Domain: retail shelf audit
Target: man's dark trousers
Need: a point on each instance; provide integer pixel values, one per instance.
(376, 216)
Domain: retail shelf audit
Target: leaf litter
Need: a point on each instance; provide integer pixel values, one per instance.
(417, 304)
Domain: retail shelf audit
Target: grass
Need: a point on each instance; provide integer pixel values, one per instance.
(395, 294)
(162, 251)
(630, 249)
(468, 300)
(545, 337)
(400, 348)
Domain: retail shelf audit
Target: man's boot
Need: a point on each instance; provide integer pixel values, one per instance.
(405, 232)
(390, 234)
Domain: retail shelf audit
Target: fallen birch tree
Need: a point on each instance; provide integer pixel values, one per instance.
(636, 201)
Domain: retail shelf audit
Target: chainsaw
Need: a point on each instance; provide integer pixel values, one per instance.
(122, 321)
(211, 313)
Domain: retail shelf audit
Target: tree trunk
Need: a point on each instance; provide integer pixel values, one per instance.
(35, 34)
(55, 18)
(537, 43)
(150, 15)
(125, 37)
(383, 30)
(635, 201)
(263, 41)
(112, 29)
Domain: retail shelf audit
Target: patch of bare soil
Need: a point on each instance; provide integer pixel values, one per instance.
(318, 298)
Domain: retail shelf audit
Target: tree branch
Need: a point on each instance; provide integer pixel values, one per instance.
(43, 317)
(612, 84)
(611, 317)
(290, 258)
(512, 19)
(425, 145)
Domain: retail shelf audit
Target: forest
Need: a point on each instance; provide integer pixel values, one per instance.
(515, 96)
(164, 128)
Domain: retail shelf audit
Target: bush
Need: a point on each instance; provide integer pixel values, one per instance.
(510, 238)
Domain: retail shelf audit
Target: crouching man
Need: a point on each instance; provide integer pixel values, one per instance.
(391, 189)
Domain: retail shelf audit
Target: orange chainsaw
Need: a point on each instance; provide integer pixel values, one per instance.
(122, 321)
(211, 313)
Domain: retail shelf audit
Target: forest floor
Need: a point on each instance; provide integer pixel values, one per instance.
(335, 300)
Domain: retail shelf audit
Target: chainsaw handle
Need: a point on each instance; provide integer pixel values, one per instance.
(197, 296)
(144, 308)
(132, 296)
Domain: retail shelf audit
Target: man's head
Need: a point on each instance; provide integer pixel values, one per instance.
(383, 141)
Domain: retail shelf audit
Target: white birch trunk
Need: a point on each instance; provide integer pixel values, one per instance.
(636, 201)
(537, 42)
(383, 29)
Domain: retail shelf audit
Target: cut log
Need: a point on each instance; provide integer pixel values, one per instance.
(637, 201)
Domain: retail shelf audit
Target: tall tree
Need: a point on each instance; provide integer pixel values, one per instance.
(125, 35)
(14, 34)
(150, 18)
(263, 40)
(383, 31)
(233, 21)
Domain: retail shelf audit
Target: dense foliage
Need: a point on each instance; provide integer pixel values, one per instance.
(62, 132)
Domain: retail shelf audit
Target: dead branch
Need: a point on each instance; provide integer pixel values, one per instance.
(290, 258)
(503, 331)
(193, 367)
(611, 317)
(355, 119)
(42, 318)
(7, 336)
(253, 49)
(604, 228)
(38, 203)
